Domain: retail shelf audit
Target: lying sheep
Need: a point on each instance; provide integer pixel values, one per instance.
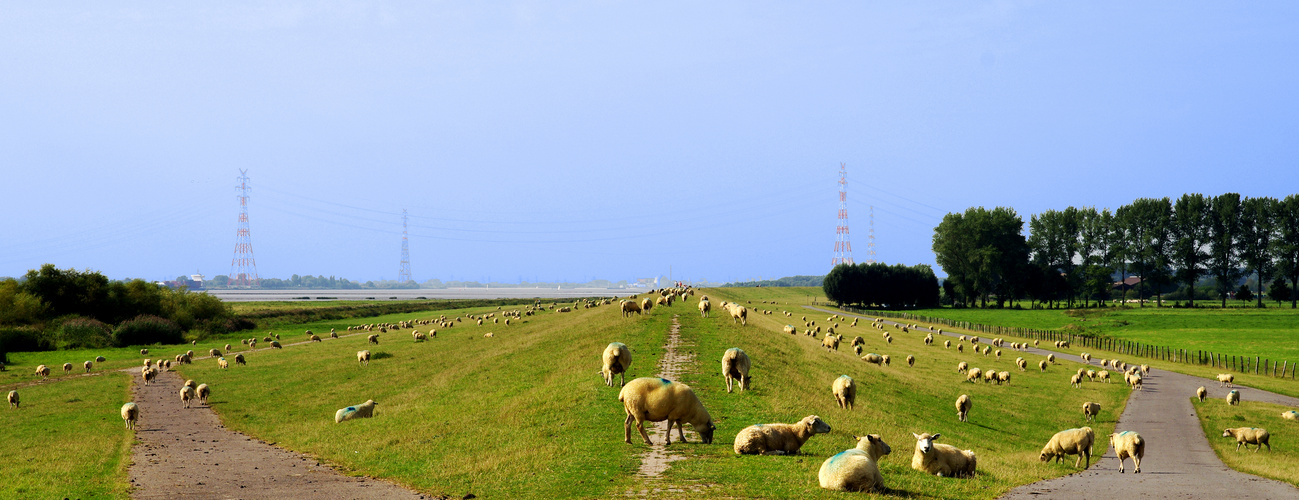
(1201, 393)
(845, 391)
(363, 410)
(1129, 444)
(13, 398)
(873, 358)
(239, 359)
(855, 469)
(1070, 442)
(658, 399)
(1226, 379)
(187, 395)
(1290, 415)
(778, 439)
(1233, 397)
(1249, 435)
(942, 460)
(1091, 410)
(363, 358)
(203, 391)
(735, 367)
(963, 405)
(617, 358)
(130, 413)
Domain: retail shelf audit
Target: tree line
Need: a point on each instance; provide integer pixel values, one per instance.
(883, 286)
(1074, 254)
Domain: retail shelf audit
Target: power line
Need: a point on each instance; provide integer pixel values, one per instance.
(243, 267)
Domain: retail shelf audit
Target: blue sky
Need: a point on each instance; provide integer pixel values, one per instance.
(612, 140)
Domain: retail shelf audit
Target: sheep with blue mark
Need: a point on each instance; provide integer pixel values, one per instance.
(363, 410)
(856, 469)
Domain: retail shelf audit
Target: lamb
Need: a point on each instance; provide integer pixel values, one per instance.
(1233, 397)
(187, 395)
(1226, 379)
(1070, 442)
(373, 339)
(855, 469)
(1249, 435)
(1129, 444)
(973, 375)
(1201, 393)
(963, 405)
(943, 460)
(239, 359)
(873, 358)
(1091, 410)
(363, 410)
(657, 399)
(735, 367)
(203, 391)
(617, 358)
(43, 371)
(363, 358)
(222, 363)
(87, 365)
(845, 391)
(13, 398)
(130, 413)
(778, 439)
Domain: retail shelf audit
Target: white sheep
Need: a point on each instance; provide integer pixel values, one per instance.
(974, 375)
(911, 360)
(790, 329)
(1233, 397)
(1070, 442)
(130, 413)
(187, 395)
(942, 460)
(1201, 393)
(1021, 363)
(617, 358)
(871, 357)
(203, 391)
(962, 367)
(1050, 358)
(216, 353)
(13, 398)
(963, 405)
(275, 344)
(1249, 435)
(739, 314)
(845, 391)
(363, 358)
(1103, 375)
(658, 399)
(855, 469)
(1075, 381)
(778, 439)
(1042, 364)
(1003, 377)
(67, 368)
(144, 352)
(1091, 410)
(239, 359)
(373, 339)
(87, 366)
(735, 367)
(99, 359)
(363, 410)
(1226, 379)
(43, 371)
(1290, 415)
(1129, 444)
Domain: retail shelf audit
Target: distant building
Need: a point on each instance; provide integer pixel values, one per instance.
(1128, 283)
(194, 282)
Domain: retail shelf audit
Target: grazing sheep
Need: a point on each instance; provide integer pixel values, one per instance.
(911, 360)
(735, 367)
(1042, 365)
(87, 365)
(363, 410)
(873, 358)
(962, 367)
(658, 399)
(617, 358)
(216, 353)
(1103, 375)
(985, 352)
(1249, 435)
(222, 363)
(99, 359)
(830, 342)
(203, 391)
(373, 339)
(646, 304)
(144, 352)
(67, 368)
(1075, 381)
(1021, 363)
(973, 375)
(1091, 375)
(187, 394)
(333, 334)
(276, 344)
(790, 329)
(947, 344)
(130, 413)
(778, 439)
(1003, 377)
(960, 347)
(1050, 358)
(855, 469)
(315, 338)
(1201, 393)
(963, 405)
(845, 391)
(1091, 410)
(239, 359)
(885, 358)
(1233, 397)
(363, 358)
(13, 399)
(856, 350)
(1290, 415)
(1226, 379)
(1070, 442)
(1129, 444)
(990, 376)
(942, 460)
(43, 371)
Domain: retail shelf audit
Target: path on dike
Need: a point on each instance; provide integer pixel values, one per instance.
(1178, 463)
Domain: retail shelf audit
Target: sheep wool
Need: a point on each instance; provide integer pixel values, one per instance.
(1249, 435)
(855, 469)
(963, 405)
(1070, 442)
(735, 367)
(778, 439)
(13, 399)
(363, 410)
(617, 358)
(942, 460)
(658, 399)
(130, 413)
(845, 391)
(1129, 444)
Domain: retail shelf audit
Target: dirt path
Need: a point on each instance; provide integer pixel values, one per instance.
(1178, 462)
(655, 461)
(187, 453)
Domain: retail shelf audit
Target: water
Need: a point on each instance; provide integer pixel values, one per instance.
(427, 293)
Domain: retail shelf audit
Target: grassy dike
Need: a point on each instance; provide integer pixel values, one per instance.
(1282, 463)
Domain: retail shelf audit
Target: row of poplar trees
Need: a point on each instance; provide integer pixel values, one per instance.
(1075, 253)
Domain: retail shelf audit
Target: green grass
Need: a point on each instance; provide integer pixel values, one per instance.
(1282, 463)
(67, 440)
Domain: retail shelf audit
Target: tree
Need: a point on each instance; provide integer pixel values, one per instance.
(1190, 234)
(1278, 290)
(1257, 229)
(1224, 233)
(1244, 294)
(1286, 244)
(1054, 242)
(983, 252)
(1148, 222)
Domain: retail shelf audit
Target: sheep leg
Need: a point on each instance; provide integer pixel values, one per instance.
(1238, 443)
(681, 431)
(1136, 462)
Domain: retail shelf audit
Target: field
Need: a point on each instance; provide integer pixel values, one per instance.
(1279, 463)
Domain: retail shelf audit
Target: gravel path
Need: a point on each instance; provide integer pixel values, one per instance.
(655, 461)
(1178, 462)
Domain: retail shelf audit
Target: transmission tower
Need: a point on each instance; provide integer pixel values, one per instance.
(870, 239)
(842, 246)
(243, 267)
(403, 274)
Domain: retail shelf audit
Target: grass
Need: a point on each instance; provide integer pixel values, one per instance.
(1282, 463)
(67, 440)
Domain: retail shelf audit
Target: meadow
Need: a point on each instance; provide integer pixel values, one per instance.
(1279, 463)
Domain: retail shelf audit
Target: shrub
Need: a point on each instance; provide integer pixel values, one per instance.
(20, 339)
(145, 330)
(78, 332)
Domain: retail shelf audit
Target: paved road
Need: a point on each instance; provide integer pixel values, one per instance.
(1179, 462)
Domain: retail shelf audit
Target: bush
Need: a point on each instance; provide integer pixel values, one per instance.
(78, 332)
(21, 339)
(146, 330)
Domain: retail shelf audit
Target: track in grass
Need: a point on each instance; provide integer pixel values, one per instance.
(656, 461)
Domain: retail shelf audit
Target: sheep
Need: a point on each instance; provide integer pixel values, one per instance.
(222, 363)
(203, 391)
(960, 347)
(735, 367)
(189, 354)
(1021, 363)
(1201, 393)
(363, 358)
(1233, 397)
(190, 383)
(963, 405)
(790, 329)
(943, 460)
(947, 344)
(855, 469)
(658, 399)
(87, 365)
(989, 376)
(858, 340)
(313, 338)
(43, 371)
(1042, 364)
(962, 367)
(1070, 442)
(1091, 375)
(276, 344)
(1075, 381)
(373, 339)
(739, 314)
(99, 359)
(1226, 379)
(856, 350)
(1249, 435)
(646, 304)
(148, 374)
(67, 368)
(929, 339)
(239, 359)
(216, 353)
(1134, 381)
(830, 342)
(617, 358)
(973, 375)
(885, 358)
(998, 354)
(332, 334)
(130, 413)
(1050, 358)
(187, 394)
(144, 352)
(911, 361)
(778, 439)
(1145, 369)
(1003, 377)
(873, 358)
(1103, 375)
(13, 398)
(845, 391)
(418, 336)
(363, 410)
(1129, 444)
(1091, 410)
